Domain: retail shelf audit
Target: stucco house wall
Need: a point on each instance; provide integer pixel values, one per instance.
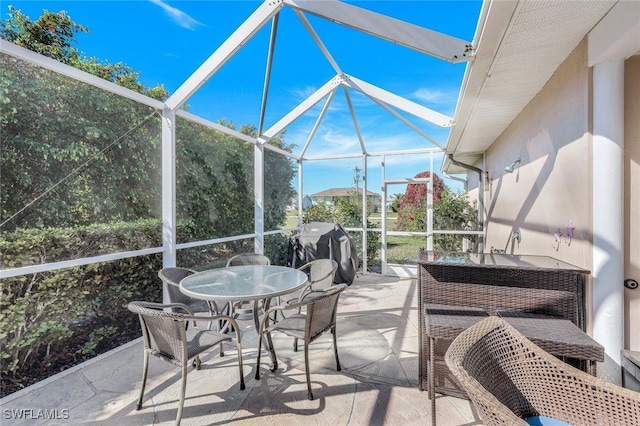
(552, 186)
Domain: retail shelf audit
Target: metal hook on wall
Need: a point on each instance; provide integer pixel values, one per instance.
(557, 235)
(570, 228)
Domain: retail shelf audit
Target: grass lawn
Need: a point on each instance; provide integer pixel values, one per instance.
(399, 248)
(292, 219)
(402, 248)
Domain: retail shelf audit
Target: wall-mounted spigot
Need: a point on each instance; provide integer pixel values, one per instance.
(516, 235)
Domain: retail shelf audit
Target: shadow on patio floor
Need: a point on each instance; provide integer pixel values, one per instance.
(378, 385)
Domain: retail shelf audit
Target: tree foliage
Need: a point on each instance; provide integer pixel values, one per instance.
(73, 154)
(451, 211)
(50, 35)
(395, 203)
(215, 182)
(53, 35)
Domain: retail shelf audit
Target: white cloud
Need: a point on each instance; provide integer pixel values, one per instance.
(303, 93)
(436, 96)
(443, 100)
(178, 16)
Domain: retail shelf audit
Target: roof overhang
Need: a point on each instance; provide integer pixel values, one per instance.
(518, 46)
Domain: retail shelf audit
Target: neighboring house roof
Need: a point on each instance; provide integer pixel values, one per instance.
(341, 192)
(518, 46)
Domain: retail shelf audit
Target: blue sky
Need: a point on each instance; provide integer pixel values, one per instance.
(166, 41)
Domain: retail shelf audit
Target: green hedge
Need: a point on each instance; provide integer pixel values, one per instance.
(51, 320)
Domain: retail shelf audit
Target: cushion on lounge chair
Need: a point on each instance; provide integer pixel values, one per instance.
(545, 421)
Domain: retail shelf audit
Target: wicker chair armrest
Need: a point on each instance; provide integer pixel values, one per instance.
(287, 307)
(300, 303)
(206, 318)
(154, 305)
(306, 300)
(306, 289)
(267, 315)
(492, 411)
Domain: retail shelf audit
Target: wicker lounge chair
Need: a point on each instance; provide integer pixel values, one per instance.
(166, 337)
(510, 379)
(320, 316)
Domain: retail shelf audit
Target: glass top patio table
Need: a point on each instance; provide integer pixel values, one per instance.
(247, 282)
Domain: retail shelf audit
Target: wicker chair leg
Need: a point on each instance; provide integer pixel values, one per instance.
(306, 369)
(272, 351)
(295, 344)
(335, 349)
(145, 369)
(432, 387)
(239, 346)
(182, 394)
(258, 360)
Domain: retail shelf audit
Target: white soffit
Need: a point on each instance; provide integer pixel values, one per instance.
(519, 45)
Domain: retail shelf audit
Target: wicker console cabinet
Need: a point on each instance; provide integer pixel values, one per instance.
(540, 287)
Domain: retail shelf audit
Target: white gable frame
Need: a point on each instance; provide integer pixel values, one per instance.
(402, 33)
(382, 97)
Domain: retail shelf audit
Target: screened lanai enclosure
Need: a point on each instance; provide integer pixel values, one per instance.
(102, 186)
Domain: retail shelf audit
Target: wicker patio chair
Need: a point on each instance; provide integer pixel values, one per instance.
(248, 259)
(319, 317)
(511, 380)
(243, 306)
(321, 273)
(172, 276)
(165, 337)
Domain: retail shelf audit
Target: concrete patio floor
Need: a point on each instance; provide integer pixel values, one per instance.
(378, 347)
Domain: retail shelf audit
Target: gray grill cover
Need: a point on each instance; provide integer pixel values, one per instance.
(320, 240)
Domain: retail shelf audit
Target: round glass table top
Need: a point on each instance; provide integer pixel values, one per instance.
(246, 282)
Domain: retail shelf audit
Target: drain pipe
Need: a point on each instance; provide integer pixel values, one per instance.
(480, 196)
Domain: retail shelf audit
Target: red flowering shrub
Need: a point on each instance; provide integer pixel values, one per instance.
(451, 211)
(412, 213)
